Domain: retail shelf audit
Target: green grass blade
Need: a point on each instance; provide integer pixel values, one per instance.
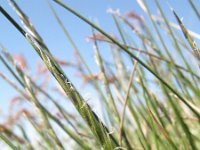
(130, 53)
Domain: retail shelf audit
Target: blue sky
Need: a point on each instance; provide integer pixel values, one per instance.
(52, 34)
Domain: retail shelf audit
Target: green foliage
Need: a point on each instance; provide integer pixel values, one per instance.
(154, 105)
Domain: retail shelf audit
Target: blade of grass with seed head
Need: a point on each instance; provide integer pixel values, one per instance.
(177, 47)
(97, 127)
(188, 37)
(76, 49)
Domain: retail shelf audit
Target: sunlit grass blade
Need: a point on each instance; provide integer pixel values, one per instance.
(142, 93)
(77, 51)
(97, 127)
(188, 37)
(129, 53)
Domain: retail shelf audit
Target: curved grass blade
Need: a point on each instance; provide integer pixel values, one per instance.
(131, 54)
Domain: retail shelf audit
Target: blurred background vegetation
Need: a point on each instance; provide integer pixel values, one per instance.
(136, 85)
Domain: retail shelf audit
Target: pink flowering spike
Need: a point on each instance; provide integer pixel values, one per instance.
(62, 62)
(20, 61)
(133, 15)
(99, 37)
(41, 68)
(15, 99)
(95, 37)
